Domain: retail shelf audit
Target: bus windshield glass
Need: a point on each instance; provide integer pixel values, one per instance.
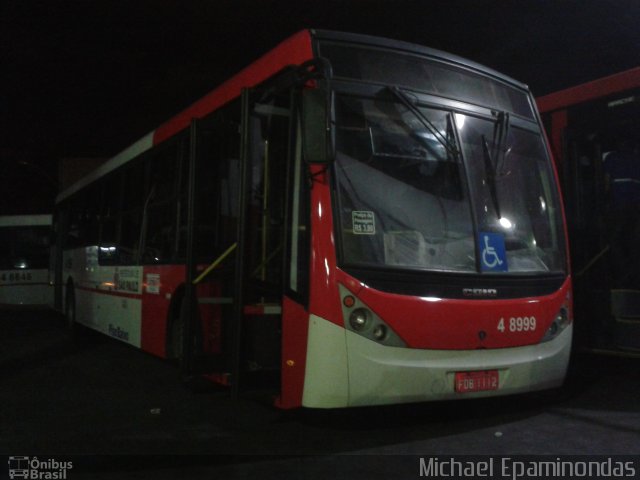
(24, 247)
(430, 189)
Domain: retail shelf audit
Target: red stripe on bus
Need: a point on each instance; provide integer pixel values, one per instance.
(113, 293)
(590, 91)
(293, 51)
(295, 331)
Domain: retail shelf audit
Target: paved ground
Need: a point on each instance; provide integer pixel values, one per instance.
(101, 397)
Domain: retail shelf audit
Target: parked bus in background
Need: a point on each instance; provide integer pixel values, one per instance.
(24, 260)
(593, 130)
(349, 221)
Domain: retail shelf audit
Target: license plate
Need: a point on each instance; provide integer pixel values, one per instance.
(479, 381)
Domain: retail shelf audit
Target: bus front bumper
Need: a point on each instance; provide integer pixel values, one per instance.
(345, 369)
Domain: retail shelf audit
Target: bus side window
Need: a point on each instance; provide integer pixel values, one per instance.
(110, 219)
(228, 199)
(216, 187)
(159, 216)
(83, 220)
(133, 200)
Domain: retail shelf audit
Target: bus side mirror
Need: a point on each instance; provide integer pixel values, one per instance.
(317, 135)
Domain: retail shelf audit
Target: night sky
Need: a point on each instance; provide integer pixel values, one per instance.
(88, 78)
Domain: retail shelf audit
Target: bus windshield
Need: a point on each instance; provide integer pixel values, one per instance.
(431, 189)
(24, 247)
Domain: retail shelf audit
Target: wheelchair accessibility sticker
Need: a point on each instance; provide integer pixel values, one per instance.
(493, 257)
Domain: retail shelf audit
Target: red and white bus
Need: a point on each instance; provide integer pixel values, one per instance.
(593, 129)
(24, 260)
(352, 220)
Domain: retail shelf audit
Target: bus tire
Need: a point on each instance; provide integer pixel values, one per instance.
(175, 332)
(175, 345)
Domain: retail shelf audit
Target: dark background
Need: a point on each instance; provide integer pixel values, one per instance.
(86, 79)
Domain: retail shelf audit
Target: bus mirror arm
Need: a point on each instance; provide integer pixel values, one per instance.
(317, 69)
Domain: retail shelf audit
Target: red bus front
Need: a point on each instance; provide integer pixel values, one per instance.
(438, 253)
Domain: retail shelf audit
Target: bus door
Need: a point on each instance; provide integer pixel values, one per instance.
(208, 223)
(268, 151)
(238, 211)
(603, 210)
(247, 246)
(262, 238)
(584, 197)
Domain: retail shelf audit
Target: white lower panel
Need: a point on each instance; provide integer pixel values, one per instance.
(116, 316)
(380, 375)
(36, 295)
(25, 287)
(346, 369)
(326, 383)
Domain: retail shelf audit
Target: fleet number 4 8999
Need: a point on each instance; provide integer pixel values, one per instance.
(517, 324)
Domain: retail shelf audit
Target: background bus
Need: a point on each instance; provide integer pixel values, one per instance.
(24, 260)
(593, 129)
(350, 220)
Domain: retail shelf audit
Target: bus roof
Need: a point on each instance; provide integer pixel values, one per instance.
(25, 220)
(599, 88)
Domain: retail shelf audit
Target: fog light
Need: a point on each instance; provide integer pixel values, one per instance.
(359, 319)
(364, 322)
(562, 317)
(559, 323)
(379, 332)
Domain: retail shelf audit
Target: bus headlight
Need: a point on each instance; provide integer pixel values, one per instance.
(558, 325)
(20, 263)
(360, 319)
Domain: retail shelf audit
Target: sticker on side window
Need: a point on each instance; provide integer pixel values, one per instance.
(364, 222)
(153, 283)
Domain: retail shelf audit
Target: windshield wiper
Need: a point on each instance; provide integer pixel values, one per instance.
(500, 134)
(406, 101)
(490, 169)
(499, 148)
